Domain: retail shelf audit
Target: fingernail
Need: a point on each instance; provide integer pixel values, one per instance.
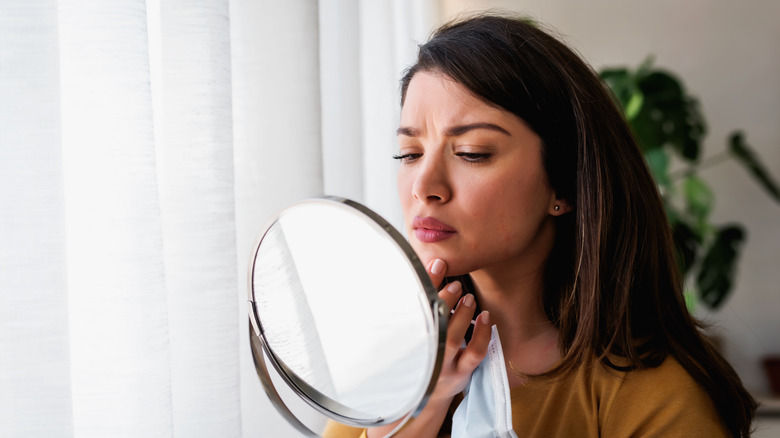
(454, 287)
(484, 317)
(468, 300)
(437, 267)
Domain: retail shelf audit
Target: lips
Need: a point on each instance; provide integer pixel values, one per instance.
(430, 230)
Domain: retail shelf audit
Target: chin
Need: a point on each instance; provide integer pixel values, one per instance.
(425, 255)
(455, 265)
(454, 271)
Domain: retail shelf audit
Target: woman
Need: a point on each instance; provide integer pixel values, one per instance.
(520, 179)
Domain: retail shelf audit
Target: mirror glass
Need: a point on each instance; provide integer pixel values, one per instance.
(344, 312)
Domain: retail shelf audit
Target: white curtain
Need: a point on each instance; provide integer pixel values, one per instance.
(143, 145)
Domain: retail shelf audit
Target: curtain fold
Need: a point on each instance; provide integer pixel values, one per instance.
(35, 389)
(342, 130)
(117, 306)
(195, 163)
(277, 148)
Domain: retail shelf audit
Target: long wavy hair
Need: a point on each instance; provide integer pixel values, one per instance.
(612, 286)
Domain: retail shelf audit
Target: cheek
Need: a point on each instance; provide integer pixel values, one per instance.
(495, 202)
(511, 208)
(493, 211)
(507, 228)
(404, 191)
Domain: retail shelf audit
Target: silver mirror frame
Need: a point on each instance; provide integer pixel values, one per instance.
(262, 353)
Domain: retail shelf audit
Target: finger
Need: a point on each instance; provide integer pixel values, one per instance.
(450, 294)
(436, 269)
(460, 321)
(477, 348)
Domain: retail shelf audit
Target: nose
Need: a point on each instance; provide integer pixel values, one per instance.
(431, 184)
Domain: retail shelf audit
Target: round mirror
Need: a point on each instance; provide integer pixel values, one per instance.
(342, 309)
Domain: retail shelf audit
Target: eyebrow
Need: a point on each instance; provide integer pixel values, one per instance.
(455, 130)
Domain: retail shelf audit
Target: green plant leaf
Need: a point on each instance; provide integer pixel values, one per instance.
(634, 104)
(747, 157)
(668, 116)
(658, 162)
(690, 300)
(624, 89)
(718, 266)
(664, 87)
(696, 129)
(686, 242)
(699, 198)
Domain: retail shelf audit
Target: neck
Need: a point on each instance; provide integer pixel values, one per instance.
(514, 299)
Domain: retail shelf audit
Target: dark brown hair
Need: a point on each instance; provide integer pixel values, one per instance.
(611, 285)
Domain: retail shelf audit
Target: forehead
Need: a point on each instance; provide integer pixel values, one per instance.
(439, 96)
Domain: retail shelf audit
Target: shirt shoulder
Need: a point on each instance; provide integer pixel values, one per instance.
(338, 430)
(597, 400)
(662, 401)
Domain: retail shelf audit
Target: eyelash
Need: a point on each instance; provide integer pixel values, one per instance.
(473, 157)
(469, 157)
(407, 158)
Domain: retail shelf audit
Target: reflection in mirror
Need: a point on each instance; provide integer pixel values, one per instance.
(344, 310)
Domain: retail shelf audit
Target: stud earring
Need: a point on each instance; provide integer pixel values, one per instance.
(557, 208)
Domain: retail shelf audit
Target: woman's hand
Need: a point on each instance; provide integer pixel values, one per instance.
(459, 360)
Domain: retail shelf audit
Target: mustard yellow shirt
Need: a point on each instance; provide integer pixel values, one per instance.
(657, 402)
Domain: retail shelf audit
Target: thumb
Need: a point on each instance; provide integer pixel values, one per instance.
(436, 269)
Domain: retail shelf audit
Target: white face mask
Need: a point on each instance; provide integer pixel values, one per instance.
(486, 410)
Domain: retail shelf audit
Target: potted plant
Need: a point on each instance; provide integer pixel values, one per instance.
(669, 126)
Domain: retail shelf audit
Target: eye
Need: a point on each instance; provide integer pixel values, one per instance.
(407, 158)
(473, 157)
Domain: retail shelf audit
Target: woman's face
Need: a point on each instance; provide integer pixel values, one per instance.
(472, 185)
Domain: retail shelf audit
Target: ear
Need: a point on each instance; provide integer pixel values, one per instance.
(559, 206)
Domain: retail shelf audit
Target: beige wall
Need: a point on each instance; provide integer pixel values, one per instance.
(727, 54)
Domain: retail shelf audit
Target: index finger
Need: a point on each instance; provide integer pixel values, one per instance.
(436, 269)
